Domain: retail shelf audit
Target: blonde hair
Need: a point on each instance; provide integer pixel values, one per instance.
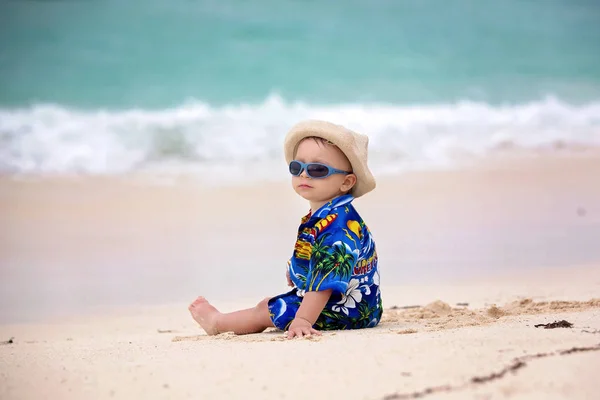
(317, 139)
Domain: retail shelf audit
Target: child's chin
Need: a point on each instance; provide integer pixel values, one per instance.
(314, 196)
(307, 193)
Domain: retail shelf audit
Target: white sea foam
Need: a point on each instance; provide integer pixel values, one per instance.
(242, 141)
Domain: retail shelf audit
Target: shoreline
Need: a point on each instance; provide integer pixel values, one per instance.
(498, 160)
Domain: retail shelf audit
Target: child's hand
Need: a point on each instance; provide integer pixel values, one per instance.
(301, 327)
(289, 280)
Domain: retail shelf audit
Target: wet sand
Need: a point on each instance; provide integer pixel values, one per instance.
(72, 245)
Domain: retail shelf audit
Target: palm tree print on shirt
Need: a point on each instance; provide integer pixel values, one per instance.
(319, 253)
(339, 262)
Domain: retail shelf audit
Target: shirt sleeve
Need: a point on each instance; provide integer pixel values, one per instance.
(334, 255)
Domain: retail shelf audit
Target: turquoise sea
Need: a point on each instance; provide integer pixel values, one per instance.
(111, 86)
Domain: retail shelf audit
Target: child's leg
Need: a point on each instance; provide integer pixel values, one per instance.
(251, 320)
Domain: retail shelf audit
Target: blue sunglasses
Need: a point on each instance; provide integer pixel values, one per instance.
(314, 170)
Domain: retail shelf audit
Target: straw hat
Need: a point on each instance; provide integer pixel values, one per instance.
(353, 145)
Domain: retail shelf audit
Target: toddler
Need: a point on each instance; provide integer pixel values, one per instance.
(333, 268)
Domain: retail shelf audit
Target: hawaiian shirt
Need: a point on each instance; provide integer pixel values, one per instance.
(334, 250)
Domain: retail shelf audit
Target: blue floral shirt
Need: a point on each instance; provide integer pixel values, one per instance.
(334, 250)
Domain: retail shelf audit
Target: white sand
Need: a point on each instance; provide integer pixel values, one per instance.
(158, 352)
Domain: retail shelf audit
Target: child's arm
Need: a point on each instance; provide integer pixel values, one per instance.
(289, 279)
(310, 309)
(287, 274)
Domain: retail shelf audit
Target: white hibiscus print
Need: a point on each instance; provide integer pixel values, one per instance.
(350, 299)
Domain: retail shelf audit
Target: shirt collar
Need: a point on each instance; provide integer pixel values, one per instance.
(327, 207)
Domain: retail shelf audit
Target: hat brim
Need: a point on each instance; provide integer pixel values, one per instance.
(352, 144)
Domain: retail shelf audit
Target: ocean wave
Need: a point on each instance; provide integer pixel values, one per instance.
(198, 137)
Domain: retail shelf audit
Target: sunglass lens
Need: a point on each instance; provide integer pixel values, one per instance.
(317, 171)
(295, 168)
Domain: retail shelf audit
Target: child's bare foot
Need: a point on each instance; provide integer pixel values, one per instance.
(205, 314)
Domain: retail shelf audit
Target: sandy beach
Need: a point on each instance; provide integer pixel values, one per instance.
(439, 350)
(145, 154)
(96, 275)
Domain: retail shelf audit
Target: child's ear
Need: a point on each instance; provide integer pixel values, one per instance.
(349, 182)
